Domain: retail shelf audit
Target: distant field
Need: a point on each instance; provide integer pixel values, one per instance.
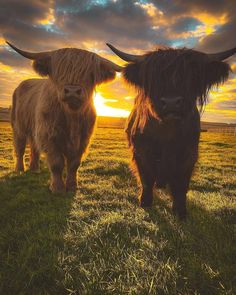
(112, 122)
(99, 241)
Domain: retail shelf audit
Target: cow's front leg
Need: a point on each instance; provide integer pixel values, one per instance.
(19, 143)
(56, 165)
(146, 172)
(179, 204)
(179, 186)
(34, 158)
(73, 163)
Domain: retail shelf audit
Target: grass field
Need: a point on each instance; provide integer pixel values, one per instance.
(100, 242)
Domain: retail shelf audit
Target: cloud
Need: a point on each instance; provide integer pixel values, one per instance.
(12, 59)
(224, 37)
(134, 26)
(121, 20)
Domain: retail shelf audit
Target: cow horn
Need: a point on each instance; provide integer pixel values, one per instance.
(125, 56)
(112, 65)
(220, 56)
(29, 55)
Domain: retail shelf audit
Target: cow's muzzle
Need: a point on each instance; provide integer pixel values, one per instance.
(171, 108)
(73, 96)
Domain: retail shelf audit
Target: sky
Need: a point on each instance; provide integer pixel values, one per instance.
(133, 26)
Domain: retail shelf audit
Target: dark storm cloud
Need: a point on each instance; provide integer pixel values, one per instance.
(122, 20)
(126, 23)
(39, 25)
(26, 11)
(225, 36)
(215, 7)
(13, 59)
(20, 23)
(223, 39)
(30, 37)
(186, 23)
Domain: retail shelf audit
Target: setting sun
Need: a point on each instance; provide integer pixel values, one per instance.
(104, 110)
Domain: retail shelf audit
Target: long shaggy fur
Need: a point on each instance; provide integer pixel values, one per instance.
(77, 65)
(41, 116)
(187, 71)
(165, 152)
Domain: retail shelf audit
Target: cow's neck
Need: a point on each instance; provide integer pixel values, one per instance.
(73, 122)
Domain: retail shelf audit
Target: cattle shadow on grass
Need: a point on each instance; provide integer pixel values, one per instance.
(32, 226)
(192, 257)
(56, 242)
(203, 245)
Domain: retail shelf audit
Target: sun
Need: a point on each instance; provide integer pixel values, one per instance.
(107, 111)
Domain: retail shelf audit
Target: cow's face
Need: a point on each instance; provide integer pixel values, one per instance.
(170, 82)
(74, 73)
(174, 81)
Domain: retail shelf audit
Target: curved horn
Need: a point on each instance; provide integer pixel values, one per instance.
(112, 65)
(125, 56)
(220, 56)
(29, 55)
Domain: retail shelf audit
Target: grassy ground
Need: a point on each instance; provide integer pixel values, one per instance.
(100, 242)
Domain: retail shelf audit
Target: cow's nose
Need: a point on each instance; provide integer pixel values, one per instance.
(169, 103)
(72, 90)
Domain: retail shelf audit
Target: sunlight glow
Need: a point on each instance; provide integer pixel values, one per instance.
(2, 41)
(50, 19)
(150, 9)
(107, 111)
(6, 68)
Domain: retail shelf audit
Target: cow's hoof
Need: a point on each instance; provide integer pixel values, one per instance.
(71, 188)
(145, 203)
(180, 214)
(57, 188)
(19, 169)
(160, 184)
(182, 217)
(34, 169)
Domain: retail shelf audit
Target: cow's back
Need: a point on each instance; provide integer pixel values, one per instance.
(25, 99)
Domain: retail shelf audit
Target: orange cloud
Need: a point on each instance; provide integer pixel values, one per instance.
(2, 41)
(210, 24)
(50, 18)
(5, 68)
(150, 9)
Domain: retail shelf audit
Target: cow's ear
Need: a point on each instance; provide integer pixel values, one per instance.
(217, 72)
(105, 74)
(42, 66)
(132, 74)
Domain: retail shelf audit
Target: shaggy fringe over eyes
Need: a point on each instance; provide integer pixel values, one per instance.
(169, 70)
(74, 65)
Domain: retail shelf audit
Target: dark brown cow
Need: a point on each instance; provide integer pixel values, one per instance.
(164, 125)
(57, 115)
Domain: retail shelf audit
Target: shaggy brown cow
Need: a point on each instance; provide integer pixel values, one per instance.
(57, 115)
(164, 126)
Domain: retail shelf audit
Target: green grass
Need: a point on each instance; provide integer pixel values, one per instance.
(99, 241)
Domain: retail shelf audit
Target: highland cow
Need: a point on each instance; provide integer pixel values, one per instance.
(164, 126)
(56, 115)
